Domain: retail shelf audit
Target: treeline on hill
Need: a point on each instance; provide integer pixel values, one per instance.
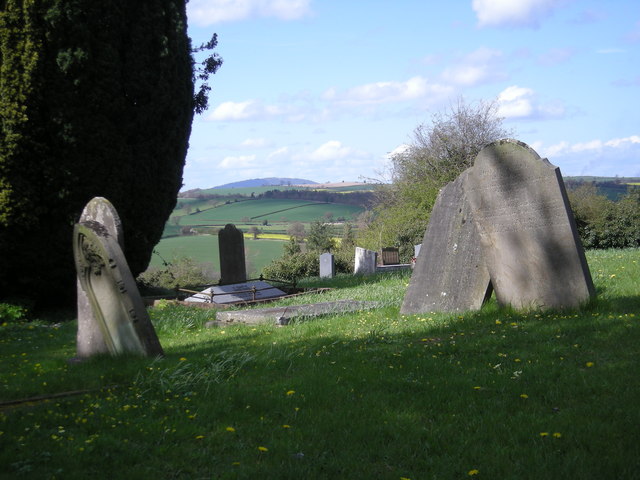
(364, 198)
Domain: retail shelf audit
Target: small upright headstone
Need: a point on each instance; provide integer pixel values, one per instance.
(450, 274)
(327, 265)
(116, 304)
(416, 250)
(90, 340)
(365, 261)
(232, 263)
(528, 233)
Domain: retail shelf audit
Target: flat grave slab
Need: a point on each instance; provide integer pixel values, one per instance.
(237, 293)
(282, 315)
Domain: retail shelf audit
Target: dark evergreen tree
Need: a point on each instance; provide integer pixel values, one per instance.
(96, 99)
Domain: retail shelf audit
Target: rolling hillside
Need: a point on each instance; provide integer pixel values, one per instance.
(271, 210)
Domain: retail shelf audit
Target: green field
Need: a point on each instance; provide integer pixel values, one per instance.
(272, 210)
(204, 249)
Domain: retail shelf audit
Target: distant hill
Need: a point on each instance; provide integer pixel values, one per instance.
(272, 181)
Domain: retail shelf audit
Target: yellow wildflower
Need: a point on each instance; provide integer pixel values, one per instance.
(263, 449)
(473, 472)
(230, 429)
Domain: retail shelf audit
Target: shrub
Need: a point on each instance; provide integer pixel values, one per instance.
(180, 272)
(12, 313)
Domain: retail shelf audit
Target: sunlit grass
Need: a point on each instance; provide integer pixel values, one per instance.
(373, 394)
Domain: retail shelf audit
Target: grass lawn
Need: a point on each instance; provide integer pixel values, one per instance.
(495, 394)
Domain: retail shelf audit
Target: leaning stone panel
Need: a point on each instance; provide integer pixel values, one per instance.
(450, 274)
(89, 337)
(116, 304)
(528, 233)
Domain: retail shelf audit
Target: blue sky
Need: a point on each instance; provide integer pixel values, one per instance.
(325, 90)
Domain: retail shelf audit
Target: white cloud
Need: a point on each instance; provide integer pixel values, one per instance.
(617, 156)
(255, 110)
(333, 150)
(386, 92)
(515, 102)
(209, 12)
(256, 143)
(282, 152)
(521, 103)
(621, 142)
(513, 13)
(477, 67)
(246, 161)
(235, 110)
(565, 148)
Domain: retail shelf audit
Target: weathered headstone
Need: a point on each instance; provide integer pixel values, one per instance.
(365, 261)
(450, 274)
(529, 238)
(327, 265)
(232, 262)
(390, 256)
(416, 250)
(116, 304)
(89, 339)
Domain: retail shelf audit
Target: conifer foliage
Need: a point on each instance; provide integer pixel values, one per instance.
(96, 99)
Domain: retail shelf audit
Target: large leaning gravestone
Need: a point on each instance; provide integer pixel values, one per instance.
(529, 238)
(89, 338)
(232, 262)
(450, 274)
(116, 305)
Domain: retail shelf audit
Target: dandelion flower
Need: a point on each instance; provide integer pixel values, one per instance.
(473, 472)
(557, 435)
(590, 364)
(544, 434)
(263, 449)
(230, 429)
(498, 322)
(524, 395)
(182, 359)
(286, 426)
(477, 388)
(291, 392)
(199, 437)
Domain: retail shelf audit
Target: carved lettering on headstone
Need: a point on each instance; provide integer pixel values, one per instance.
(529, 238)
